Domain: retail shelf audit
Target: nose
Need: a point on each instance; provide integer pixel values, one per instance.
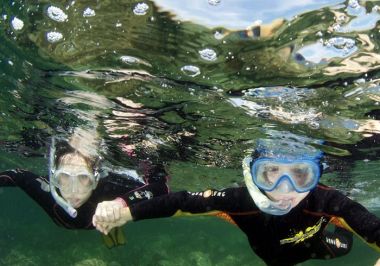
(285, 186)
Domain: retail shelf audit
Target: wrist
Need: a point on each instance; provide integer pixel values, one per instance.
(121, 201)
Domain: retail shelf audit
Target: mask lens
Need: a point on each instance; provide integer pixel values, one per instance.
(302, 174)
(64, 181)
(85, 180)
(267, 174)
(80, 183)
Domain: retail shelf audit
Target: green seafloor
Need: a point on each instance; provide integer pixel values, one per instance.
(208, 78)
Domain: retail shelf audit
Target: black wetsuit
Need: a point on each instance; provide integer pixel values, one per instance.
(279, 240)
(108, 188)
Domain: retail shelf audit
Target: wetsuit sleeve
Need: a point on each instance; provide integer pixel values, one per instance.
(145, 192)
(229, 200)
(31, 184)
(354, 217)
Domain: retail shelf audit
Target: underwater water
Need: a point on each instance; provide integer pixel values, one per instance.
(191, 84)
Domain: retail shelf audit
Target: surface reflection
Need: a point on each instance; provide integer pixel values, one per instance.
(239, 14)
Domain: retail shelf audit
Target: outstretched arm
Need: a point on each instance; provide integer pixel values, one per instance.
(37, 187)
(231, 200)
(354, 217)
(22, 179)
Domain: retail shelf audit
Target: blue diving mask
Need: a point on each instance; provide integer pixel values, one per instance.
(268, 174)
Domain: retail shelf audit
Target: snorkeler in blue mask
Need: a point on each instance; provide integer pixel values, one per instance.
(283, 209)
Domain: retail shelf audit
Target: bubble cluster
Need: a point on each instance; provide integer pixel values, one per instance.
(191, 70)
(88, 12)
(56, 14)
(341, 43)
(54, 36)
(324, 51)
(17, 24)
(140, 9)
(208, 54)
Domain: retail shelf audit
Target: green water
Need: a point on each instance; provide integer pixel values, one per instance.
(30, 238)
(314, 74)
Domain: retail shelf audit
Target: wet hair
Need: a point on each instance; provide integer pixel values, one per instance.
(67, 157)
(64, 152)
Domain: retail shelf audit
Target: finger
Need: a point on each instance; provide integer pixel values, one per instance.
(94, 220)
(110, 214)
(116, 212)
(99, 228)
(103, 214)
(99, 212)
(102, 228)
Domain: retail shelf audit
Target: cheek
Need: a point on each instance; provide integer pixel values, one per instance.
(64, 194)
(299, 197)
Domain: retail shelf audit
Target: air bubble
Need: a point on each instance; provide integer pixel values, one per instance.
(88, 12)
(56, 14)
(214, 2)
(190, 70)
(353, 4)
(54, 36)
(208, 54)
(141, 9)
(17, 24)
(130, 60)
(218, 35)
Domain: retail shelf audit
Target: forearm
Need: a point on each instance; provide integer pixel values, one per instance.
(12, 178)
(145, 192)
(228, 200)
(33, 185)
(357, 218)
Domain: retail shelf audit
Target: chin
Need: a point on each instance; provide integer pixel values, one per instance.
(76, 204)
(294, 199)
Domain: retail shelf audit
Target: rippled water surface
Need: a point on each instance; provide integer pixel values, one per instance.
(191, 84)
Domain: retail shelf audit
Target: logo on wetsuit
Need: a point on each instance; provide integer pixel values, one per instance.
(302, 236)
(336, 242)
(141, 195)
(209, 193)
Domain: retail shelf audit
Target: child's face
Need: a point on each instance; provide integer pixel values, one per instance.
(75, 180)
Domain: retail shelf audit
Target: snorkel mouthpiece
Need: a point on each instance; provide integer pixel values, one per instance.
(61, 202)
(263, 202)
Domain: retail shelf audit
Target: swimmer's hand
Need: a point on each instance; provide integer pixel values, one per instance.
(377, 262)
(110, 214)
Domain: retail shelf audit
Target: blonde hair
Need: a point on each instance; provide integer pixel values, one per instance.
(76, 156)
